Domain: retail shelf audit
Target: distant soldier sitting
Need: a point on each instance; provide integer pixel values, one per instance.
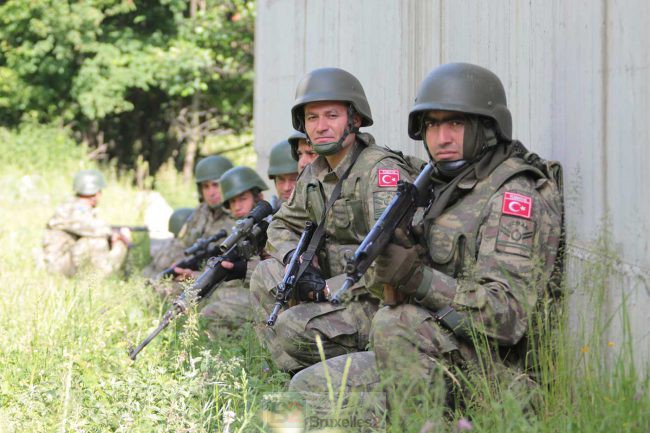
(76, 236)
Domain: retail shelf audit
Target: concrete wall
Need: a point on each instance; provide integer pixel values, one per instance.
(576, 74)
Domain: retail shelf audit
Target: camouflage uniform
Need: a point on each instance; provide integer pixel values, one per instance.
(228, 306)
(493, 235)
(76, 236)
(343, 328)
(491, 266)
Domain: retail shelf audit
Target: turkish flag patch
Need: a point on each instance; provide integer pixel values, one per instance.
(517, 205)
(387, 177)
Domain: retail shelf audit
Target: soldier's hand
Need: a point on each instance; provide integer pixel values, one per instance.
(312, 286)
(122, 235)
(184, 274)
(397, 266)
(236, 267)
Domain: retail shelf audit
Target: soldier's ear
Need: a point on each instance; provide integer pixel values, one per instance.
(356, 120)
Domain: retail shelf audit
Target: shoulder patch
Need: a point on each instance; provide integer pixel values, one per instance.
(387, 177)
(517, 205)
(515, 236)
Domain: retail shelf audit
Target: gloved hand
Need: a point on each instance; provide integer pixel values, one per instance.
(311, 286)
(236, 267)
(399, 265)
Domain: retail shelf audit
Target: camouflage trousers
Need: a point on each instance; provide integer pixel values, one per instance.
(413, 351)
(355, 376)
(86, 252)
(229, 307)
(292, 341)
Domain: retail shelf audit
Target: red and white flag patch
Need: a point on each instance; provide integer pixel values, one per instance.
(517, 205)
(387, 177)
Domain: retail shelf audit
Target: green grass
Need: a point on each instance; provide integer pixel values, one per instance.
(63, 343)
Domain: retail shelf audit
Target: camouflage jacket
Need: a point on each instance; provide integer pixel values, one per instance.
(76, 234)
(492, 252)
(204, 222)
(364, 195)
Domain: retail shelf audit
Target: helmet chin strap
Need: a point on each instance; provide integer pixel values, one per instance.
(333, 147)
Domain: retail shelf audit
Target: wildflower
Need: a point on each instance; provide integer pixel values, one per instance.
(464, 425)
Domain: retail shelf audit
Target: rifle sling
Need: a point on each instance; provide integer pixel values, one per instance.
(314, 243)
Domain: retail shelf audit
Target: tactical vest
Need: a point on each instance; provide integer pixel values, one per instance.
(452, 236)
(346, 225)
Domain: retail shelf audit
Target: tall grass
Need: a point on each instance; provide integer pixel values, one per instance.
(63, 343)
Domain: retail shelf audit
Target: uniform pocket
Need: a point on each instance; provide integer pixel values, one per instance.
(340, 214)
(443, 244)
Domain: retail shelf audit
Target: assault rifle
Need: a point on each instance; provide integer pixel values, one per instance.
(285, 288)
(132, 228)
(196, 254)
(247, 239)
(399, 213)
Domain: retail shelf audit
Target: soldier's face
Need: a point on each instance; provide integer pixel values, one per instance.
(326, 121)
(211, 192)
(444, 132)
(306, 154)
(242, 204)
(284, 184)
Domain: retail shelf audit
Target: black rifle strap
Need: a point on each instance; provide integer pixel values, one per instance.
(314, 243)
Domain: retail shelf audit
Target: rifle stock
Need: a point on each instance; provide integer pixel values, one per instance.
(398, 213)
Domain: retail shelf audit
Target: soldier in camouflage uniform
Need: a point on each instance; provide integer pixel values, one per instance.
(207, 219)
(76, 236)
(210, 216)
(283, 171)
(229, 307)
(330, 106)
(493, 248)
(301, 150)
(170, 249)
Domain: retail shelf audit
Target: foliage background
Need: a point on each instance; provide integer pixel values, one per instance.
(139, 82)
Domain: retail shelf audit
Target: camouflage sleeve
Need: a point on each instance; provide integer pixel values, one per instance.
(382, 186)
(510, 272)
(288, 222)
(194, 227)
(81, 221)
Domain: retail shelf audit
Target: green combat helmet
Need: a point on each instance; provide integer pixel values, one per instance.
(238, 180)
(331, 84)
(211, 168)
(464, 88)
(88, 182)
(470, 89)
(294, 141)
(281, 160)
(178, 218)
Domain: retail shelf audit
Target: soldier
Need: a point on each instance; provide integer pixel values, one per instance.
(493, 247)
(76, 236)
(301, 150)
(210, 216)
(344, 191)
(283, 170)
(229, 308)
(170, 249)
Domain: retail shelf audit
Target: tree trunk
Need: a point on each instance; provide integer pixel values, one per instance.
(194, 135)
